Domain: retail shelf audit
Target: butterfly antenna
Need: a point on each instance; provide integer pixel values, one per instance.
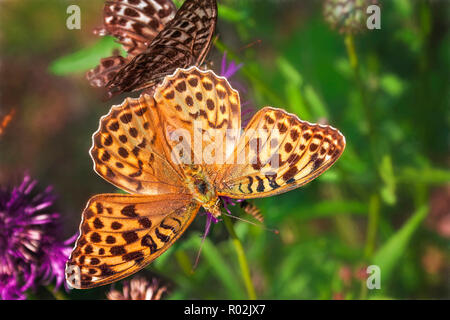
(251, 44)
(207, 227)
(253, 223)
(198, 254)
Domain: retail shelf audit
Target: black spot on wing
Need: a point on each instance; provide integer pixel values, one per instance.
(161, 236)
(250, 182)
(260, 187)
(272, 180)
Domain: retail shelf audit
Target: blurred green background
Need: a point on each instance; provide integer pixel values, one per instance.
(385, 202)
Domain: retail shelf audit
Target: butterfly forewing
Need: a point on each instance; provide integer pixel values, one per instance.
(185, 41)
(277, 153)
(207, 109)
(128, 150)
(121, 234)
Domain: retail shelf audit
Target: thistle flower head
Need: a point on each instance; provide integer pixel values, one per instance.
(347, 16)
(229, 69)
(138, 289)
(30, 253)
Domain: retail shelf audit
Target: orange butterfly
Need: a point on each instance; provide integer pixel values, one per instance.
(176, 152)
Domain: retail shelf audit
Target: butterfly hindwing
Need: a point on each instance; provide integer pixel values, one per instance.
(105, 71)
(183, 42)
(277, 153)
(134, 23)
(121, 234)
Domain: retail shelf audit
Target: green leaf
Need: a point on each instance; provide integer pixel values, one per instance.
(327, 208)
(227, 13)
(392, 251)
(343, 66)
(289, 71)
(178, 3)
(85, 59)
(219, 266)
(295, 101)
(403, 7)
(330, 176)
(425, 175)
(294, 81)
(318, 108)
(392, 84)
(232, 15)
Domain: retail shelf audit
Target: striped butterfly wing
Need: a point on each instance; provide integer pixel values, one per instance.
(134, 23)
(121, 234)
(278, 152)
(185, 41)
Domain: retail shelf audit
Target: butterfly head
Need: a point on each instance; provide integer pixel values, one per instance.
(202, 189)
(207, 196)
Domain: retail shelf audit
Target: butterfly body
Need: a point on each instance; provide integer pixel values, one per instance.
(202, 189)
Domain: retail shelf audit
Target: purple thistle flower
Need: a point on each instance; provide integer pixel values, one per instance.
(230, 202)
(30, 253)
(229, 70)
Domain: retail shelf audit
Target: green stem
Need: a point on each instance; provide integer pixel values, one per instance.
(245, 271)
(351, 52)
(363, 291)
(345, 226)
(374, 204)
(354, 63)
(347, 229)
(372, 225)
(371, 238)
